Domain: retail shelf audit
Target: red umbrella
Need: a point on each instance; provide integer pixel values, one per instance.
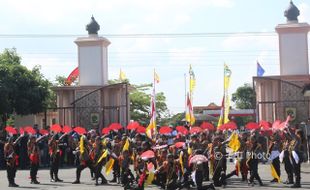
(179, 144)
(198, 158)
(30, 130)
(182, 129)
(252, 126)
(195, 130)
(105, 131)
(165, 130)
(80, 130)
(133, 125)
(21, 131)
(229, 126)
(207, 126)
(140, 129)
(158, 147)
(66, 129)
(265, 125)
(147, 154)
(11, 130)
(43, 132)
(115, 126)
(56, 128)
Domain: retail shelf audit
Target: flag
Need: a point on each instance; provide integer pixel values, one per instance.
(104, 155)
(181, 162)
(150, 130)
(126, 145)
(260, 70)
(156, 77)
(234, 142)
(109, 166)
(192, 80)
(150, 178)
(73, 76)
(82, 144)
(226, 108)
(221, 121)
(122, 75)
(189, 116)
(274, 173)
(227, 74)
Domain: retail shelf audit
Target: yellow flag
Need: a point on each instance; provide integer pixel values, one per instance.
(181, 162)
(150, 178)
(227, 109)
(192, 80)
(227, 74)
(189, 150)
(104, 155)
(126, 145)
(122, 75)
(234, 142)
(109, 166)
(156, 77)
(274, 173)
(189, 115)
(82, 144)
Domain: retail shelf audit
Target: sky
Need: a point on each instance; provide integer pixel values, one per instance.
(236, 32)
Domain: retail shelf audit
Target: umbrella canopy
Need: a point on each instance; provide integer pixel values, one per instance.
(276, 125)
(207, 126)
(265, 125)
(80, 130)
(198, 158)
(179, 144)
(30, 130)
(115, 126)
(21, 131)
(56, 128)
(133, 125)
(182, 130)
(147, 154)
(11, 130)
(43, 132)
(229, 126)
(159, 147)
(66, 129)
(140, 129)
(165, 130)
(195, 130)
(252, 126)
(105, 131)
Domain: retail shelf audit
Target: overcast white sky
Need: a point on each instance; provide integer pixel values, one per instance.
(137, 57)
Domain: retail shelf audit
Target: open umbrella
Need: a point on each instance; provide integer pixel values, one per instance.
(43, 132)
(105, 131)
(182, 130)
(252, 126)
(115, 126)
(198, 158)
(147, 154)
(195, 130)
(179, 144)
(56, 128)
(133, 125)
(158, 147)
(165, 130)
(11, 130)
(140, 129)
(30, 130)
(21, 131)
(66, 129)
(265, 125)
(80, 130)
(229, 126)
(207, 126)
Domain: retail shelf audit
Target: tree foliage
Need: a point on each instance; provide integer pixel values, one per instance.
(244, 97)
(22, 91)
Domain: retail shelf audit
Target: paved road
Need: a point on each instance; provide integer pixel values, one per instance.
(68, 175)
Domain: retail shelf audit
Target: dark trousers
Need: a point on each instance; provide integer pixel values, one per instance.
(11, 173)
(126, 175)
(116, 170)
(219, 173)
(34, 171)
(288, 167)
(296, 168)
(98, 174)
(253, 165)
(81, 167)
(54, 162)
(199, 178)
(276, 165)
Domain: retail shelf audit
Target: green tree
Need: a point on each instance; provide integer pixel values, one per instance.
(22, 91)
(244, 97)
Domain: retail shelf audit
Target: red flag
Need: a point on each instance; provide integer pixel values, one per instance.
(73, 76)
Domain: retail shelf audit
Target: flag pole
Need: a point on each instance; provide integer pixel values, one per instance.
(224, 97)
(185, 92)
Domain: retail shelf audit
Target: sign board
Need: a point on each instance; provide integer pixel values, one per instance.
(94, 118)
(290, 111)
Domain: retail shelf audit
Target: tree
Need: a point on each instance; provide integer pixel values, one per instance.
(22, 91)
(244, 97)
(140, 105)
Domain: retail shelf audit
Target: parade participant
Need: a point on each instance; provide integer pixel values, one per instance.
(55, 154)
(252, 161)
(33, 153)
(126, 173)
(296, 150)
(274, 152)
(116, 148)
(243, 157)
(99, 159)
(220, 161)
(285, 158)
(84, 158)
(11, 160)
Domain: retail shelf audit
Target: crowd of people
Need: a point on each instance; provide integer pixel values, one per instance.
(171, 161)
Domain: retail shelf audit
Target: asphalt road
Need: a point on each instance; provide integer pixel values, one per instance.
(68, 175)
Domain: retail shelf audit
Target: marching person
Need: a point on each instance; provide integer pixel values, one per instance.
(252, 161)
(274, 151)
(11, 160)
(99, 160)
(55, 154)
